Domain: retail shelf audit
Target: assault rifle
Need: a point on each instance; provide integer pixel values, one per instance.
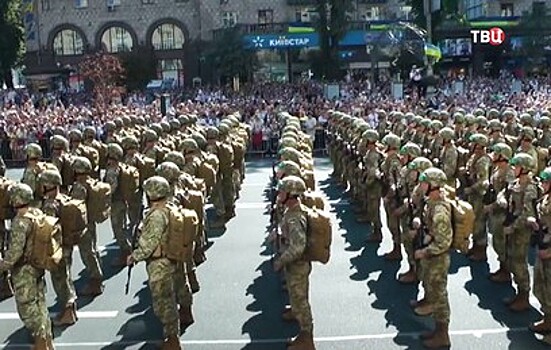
(465, 182)
(491, 195)
(133, 246)
(7, 287)
(397, 197)
(510, 216)
(537, 238)
(419, 241)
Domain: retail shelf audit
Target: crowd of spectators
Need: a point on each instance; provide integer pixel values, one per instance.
(26, 117)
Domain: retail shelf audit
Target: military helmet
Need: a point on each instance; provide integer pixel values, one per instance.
(110, 126)
(20, 195)
(59, 143)
(447, 133)
(288, 142)
(169, 171)
(288, 153)
(411, 149)
(130, 142)
(436, 125)
(157, 128)
(523, 160)
(200, 139)
(370, 136)
(293, 185)
(156, 188)
(495, 125)
(425, 122)
(126, 121)
(223, 129)
(50, 177)
(33, 151)
(481, 121)
(434, 177)
(470, 119)
(183, 119)
(58, 130)
(150, 135)
(114, 151)
(545, 174)
(392, 141)
(545, 122)
(175, 124)
(479, 139)
(478, 112)
(165, 127)
(509, 113)
(212, 133)
(189, 145)
(288, 167)
(526, 119)
(89, 132)
(527, 132)
(420, 164)
(459, 118)
(493, 113)
(503, 150)
(75, 135)
(82, 165)
(176, 158)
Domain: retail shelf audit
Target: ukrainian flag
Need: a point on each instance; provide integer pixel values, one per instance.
(433, 51)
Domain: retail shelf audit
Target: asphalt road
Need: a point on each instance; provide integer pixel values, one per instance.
(356, 301)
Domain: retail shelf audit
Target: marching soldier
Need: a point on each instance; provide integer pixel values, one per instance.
(160, 270)
(391, 170)
(28, 281)
(447, 158)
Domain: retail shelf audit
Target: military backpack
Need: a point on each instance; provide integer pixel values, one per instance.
(129, 181)
(462, 217)
(6, 210)
(182, 230)
(98, 201)
(44, 243)
(319, 235)
(73, 218)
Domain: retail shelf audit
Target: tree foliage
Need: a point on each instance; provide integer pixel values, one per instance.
(105, 72)
(535, 42)
(228, 58)
(331, 26)
(140, 67)
(12, 38)
(449, 10)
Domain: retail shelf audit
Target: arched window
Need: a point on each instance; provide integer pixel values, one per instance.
(117, 39)
(68, 42)
(167, 37)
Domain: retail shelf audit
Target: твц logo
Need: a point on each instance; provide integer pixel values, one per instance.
(494, 36)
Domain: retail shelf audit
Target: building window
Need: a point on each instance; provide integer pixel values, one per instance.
(148, 2)
(475, 9)
(507, 10)
(306, 15)
(68, 42)
(171, 70)
(45, 4)
(167, 37)
(229, 19)
(117, 39)
(372, 14)
(81, 4)
(265, 16)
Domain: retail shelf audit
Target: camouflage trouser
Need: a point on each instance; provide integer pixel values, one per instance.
(392, 222)
(496, 220)
(480, 234)
(217, 197)
(297, 276)
(183, 289)
(89, 252)
(30, 299)
(62, 279)
(134, 208)
(542, 284)
(236, 179)
(118, 216)
(3, 237)
(407, 241)
(161, 274)
(436, 285)
(519, 242)
(228, 191)
(373, 202)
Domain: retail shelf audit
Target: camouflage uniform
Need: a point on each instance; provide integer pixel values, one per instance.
(28, 282)
(373, 189)
(391, 169)
(160, 270)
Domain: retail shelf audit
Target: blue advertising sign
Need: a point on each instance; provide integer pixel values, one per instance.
(274, 41)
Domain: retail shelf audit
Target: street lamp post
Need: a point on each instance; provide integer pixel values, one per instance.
(428, 17)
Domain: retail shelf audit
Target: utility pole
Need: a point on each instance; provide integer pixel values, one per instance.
(428, 17)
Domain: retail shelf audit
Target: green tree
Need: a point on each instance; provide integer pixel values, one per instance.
(12, 38)
(535, 25)
(448, 11)
(140, 67)
(331, 26)
(229, 58)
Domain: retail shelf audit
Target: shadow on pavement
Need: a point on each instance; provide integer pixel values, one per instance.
(267, 292)
(18, 338)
